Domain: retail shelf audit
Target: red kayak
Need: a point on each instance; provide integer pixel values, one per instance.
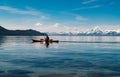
(50, 41)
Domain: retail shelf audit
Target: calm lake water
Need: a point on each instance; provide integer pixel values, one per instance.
(76, 56)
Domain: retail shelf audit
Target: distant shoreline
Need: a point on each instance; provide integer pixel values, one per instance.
(29, 32)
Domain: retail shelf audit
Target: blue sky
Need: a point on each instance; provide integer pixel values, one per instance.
(60, 15)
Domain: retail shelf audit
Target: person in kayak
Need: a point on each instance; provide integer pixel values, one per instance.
(47, 39)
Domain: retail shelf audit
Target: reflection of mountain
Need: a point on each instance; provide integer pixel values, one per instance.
(29, 32)
(92, 32)
(1, 40)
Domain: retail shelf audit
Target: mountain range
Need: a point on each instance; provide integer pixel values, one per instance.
(92, 32)
(28, 32)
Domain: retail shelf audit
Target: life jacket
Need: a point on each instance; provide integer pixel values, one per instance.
(47, 38)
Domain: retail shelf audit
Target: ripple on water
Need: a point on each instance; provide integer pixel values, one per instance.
(103, 74)
(57, 75)
(19, 71)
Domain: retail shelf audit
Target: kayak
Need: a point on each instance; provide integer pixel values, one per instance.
(50, 41)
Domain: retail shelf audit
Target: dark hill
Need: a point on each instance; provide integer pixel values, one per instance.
(29, 32)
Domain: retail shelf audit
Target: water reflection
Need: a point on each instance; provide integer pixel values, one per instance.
(42, 43)
(47, 44)
(2, 40)
(88, 38)
(22, 58)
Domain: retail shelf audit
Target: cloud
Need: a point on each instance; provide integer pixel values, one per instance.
(60, 28)
(56, 25)
(80, 18)
(88, 1)
(44, 17)
(19, 11)
(75, 16)
(38, 24)
(89, 7)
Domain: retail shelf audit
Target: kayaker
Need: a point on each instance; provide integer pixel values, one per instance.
(47, 39)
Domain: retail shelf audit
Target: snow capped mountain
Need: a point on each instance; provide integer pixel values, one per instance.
(95, 30)
(92, 32)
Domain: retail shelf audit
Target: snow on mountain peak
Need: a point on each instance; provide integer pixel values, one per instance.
(95, 30)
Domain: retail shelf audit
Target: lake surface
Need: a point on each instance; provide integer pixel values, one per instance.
(73, 56)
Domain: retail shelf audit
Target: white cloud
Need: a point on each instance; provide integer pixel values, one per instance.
(88, 1)
(44, 17)
(38, 24)
(56, 25)
(95, 6)
(27, 11)
(80, 18)
(14, 27)
(89, 7)
(76, 16)
(60, 28)
(19, 11)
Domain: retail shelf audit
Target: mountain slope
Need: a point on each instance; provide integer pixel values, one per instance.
(29, 32)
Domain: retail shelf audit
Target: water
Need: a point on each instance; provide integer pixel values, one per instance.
(76, 56)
